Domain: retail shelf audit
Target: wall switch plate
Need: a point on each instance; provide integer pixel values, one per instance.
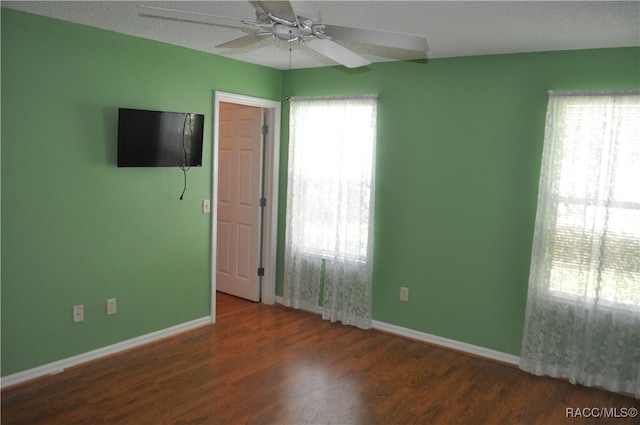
(206, 206)
(404, 294)
(111, 306)
(78, 313)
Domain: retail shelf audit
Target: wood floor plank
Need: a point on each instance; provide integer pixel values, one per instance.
(272, 365)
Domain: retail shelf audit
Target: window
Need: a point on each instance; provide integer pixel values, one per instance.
(331, 168)
(330, 191)
(594, 246)
(583, 303)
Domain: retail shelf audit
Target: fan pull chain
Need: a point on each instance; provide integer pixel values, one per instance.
(288, 96)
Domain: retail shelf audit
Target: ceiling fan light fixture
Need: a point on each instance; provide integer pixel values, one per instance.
(285, 33)
(305, 23)
(318, 31)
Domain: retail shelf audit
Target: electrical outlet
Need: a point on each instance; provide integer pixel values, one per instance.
(404, 294)
(111, 306)
(78, 313)
(206, 206)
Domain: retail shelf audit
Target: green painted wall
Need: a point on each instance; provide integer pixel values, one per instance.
(75, 228)
(458, 158)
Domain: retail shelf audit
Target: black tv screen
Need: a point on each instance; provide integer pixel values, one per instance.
(159, 139)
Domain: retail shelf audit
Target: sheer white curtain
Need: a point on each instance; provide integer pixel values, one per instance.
(583, 308)
(329, 237)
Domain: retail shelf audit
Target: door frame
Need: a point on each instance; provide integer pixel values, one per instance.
(272, 111)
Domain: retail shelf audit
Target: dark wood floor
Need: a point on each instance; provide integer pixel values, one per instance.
(271, 365)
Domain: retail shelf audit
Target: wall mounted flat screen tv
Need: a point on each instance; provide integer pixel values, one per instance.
(159, 139)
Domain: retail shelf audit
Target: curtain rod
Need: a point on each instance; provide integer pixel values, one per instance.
(593, 92)
(345, 97)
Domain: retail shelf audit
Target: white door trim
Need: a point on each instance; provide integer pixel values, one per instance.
(273, 112)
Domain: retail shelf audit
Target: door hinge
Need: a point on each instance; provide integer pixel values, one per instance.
(265, 130)
(260, 271)
(263, 202)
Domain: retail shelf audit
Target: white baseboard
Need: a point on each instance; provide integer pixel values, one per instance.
(60, 365)
(443, 342)
(447, 343)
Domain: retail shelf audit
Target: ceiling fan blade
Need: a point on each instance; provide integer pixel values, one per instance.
(170, 13)
(379, 38)
(336, 52)
(306, 10)
(241, 42)
(279, 9)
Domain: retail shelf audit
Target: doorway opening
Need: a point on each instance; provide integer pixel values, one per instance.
(244, 197)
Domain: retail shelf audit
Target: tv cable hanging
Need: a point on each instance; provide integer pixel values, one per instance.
(184, 166)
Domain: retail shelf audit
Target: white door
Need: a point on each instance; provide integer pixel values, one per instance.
(239, 177)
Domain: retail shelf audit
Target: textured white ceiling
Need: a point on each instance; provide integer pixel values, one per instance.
(452, 28)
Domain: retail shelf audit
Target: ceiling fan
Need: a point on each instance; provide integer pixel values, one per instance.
(301, 21)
